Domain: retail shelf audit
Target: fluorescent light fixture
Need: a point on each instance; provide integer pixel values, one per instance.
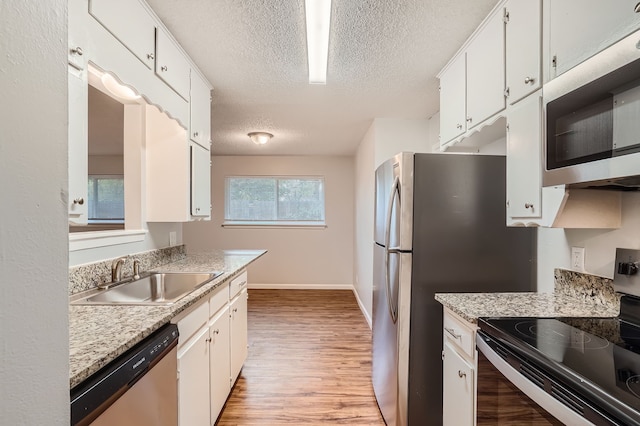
(260, 138)
(318, 22)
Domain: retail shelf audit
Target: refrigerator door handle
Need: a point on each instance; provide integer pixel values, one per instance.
(393, 311)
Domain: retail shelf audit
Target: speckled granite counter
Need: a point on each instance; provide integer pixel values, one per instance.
(472, 306)
(100, 333)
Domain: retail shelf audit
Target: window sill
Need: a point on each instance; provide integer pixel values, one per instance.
(87, 240)
(274, 225)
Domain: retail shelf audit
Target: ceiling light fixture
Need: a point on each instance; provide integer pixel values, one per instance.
(318, 14)
(260, 138)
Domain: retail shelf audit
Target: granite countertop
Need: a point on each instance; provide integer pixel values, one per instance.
(472, 306)
(100, 333)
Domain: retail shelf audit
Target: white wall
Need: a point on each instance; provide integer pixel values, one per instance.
(297, 257)
(394, 135)
(554, 245)
(34, 372)
(364, 212)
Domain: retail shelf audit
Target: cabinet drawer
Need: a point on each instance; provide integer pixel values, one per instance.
(459, 334)
(192, 322)
(237, 284)
(218, 299)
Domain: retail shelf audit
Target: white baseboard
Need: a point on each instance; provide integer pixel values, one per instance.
(301, 286)
(366, 315)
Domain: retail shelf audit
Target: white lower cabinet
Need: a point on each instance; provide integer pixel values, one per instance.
(212, 348)
(219, 361)
(238, 309)
(193, 382)
(458, 388)
(459, 371)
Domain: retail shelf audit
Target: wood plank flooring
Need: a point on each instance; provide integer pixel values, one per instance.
(309, 362)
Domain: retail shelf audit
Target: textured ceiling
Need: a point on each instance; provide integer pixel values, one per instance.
(383, 58)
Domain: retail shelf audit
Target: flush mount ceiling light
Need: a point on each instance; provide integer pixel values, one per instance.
(318, 14)
(260, 138)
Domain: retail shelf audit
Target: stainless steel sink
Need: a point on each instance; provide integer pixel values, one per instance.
(157, 288)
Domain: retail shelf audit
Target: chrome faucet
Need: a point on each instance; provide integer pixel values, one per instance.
(116, 269)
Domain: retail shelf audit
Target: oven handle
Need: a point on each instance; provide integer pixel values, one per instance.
(542, 398)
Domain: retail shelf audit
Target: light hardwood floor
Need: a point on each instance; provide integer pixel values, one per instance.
(309, 362)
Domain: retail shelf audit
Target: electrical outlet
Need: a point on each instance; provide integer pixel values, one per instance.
(172, 238)
(577, 258)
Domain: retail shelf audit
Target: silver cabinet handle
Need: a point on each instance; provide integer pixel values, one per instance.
(235, 309)
(528, 206)
(452, 332)
(528, 80)
(195, 134)
(216, 331)
(151, 56)
(163, 68)
(461, 374)
(242, 284)
(208, 340)
(79, 201)
(459, 126)
(469, 119)
(77, 51)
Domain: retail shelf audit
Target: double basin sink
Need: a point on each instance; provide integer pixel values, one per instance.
(155, 288)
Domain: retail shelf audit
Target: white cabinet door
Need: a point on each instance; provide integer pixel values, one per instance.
(524, 158)
(200, 181)
(193, 381)
(458, 389)
(523, 39)
(200, 111)
(130, 23)
(171, 65)
(452, 100)
(238, 328)
(485, 72)
(578, 29)
(219, 362)
(78, 146)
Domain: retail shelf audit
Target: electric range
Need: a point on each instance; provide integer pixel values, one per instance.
(591, 365)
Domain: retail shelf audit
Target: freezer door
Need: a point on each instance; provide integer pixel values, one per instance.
(394, 202)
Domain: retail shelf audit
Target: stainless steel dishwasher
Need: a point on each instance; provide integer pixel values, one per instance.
(138, 388)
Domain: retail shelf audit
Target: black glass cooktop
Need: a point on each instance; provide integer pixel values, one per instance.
(597, 357)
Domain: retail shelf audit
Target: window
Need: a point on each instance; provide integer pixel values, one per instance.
(106, 199)
(274, 201)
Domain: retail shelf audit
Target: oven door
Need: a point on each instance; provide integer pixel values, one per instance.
(507, 395)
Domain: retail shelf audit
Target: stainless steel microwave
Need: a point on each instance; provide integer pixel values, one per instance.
(592, 120)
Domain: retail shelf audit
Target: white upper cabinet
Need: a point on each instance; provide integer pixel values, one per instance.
(130, 23)
(472, 85)
(523, 41)
(524, 158)
(200, 111)
(452, 100)
(200, 182)
(171, 65)
(578, 29)
(485, 72)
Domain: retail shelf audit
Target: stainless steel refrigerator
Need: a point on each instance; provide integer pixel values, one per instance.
(440, 226)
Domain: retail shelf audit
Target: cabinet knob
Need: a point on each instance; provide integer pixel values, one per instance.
(77, 51)
(163, 68)
(208, 340)
(235, 309)
(637, 8)
(529, 80)
(197, 209)
(528, 206)
(195, 134)
(461, 374)
(459, 126)
(151, 56)
(216, 331)
(469, 119)
(79, 201)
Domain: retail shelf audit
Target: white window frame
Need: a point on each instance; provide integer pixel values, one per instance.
(311, 224)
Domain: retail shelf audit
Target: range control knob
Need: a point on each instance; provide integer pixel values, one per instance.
(627, 268)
